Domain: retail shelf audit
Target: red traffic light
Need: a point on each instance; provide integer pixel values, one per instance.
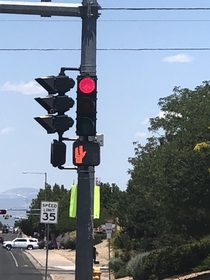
(86, 85)
(3, 212)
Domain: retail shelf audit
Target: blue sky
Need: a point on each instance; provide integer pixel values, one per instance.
(130, 83)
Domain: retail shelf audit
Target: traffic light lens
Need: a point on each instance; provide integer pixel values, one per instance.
(86, 105)
(86, 126)
(86, 85)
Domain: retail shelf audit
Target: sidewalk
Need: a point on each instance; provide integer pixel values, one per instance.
(55, 261)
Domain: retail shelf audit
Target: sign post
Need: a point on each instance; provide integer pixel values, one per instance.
(48, 215)
(108, 236)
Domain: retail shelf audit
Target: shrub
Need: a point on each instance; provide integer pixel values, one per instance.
(135, 267)
(98, 238)
(115, 264)
(162, 263)
(69, 241)
(118, 263)
(171, 261)
(205, 265)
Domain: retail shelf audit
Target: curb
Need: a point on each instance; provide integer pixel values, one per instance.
(38, 261)
(33, 257)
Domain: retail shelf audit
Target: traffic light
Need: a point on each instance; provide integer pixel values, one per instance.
(3, 211)
(86, 105)
(58, 153)
(56, 105)
(86, 153)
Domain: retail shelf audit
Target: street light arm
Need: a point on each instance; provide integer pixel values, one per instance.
(39, 173)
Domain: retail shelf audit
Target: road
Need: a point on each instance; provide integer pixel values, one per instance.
(15, 265)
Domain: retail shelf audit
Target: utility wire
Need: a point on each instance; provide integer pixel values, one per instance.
(105, 49)
(156, 9)
(108, 20)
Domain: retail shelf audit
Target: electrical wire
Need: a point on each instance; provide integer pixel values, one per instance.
(157, 9)
(105, 49)
(108, 20)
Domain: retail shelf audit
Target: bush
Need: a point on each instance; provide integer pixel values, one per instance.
(171, 261)
(162, 263)
(205, 265)
(135, 267)
(115, 264)
(70, 240)
(118, 263)
(98, 238)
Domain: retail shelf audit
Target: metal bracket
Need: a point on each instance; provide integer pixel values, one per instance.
(63, 69)
(67, 168)
(68, 139)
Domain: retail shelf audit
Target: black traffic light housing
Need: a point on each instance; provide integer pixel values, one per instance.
(3, 211)
(58, 153)
(59, 84)
(86, 105)
(56, 105)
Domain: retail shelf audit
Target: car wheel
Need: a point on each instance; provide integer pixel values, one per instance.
(30, 247)
(8, 247)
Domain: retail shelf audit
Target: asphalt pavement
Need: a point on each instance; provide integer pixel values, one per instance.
(57, 265)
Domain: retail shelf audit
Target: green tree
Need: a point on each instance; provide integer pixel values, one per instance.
(109, 198)
(167, 199)
(62, 196)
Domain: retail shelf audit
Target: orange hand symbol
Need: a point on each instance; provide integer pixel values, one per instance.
(79, 154)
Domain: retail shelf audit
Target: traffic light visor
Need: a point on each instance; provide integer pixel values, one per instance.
(47, 83)
(86, 85)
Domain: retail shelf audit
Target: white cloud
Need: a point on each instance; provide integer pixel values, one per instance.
(26, 88)
(180, 58)
(7, 130)
(161, 115)
(145, 121)
(141, 134)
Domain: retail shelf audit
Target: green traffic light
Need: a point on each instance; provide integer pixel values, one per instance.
(85, 126)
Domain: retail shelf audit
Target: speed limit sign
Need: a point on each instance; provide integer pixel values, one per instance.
(49, 212)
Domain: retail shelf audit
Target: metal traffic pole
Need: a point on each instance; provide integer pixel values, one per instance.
(84, 239)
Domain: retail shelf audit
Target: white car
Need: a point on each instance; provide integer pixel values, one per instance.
(23, 243)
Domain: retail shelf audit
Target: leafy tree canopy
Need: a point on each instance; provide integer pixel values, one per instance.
(167, 199)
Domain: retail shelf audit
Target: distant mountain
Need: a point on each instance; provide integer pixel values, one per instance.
(23, 191)
(16, 201)
(17, 197)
